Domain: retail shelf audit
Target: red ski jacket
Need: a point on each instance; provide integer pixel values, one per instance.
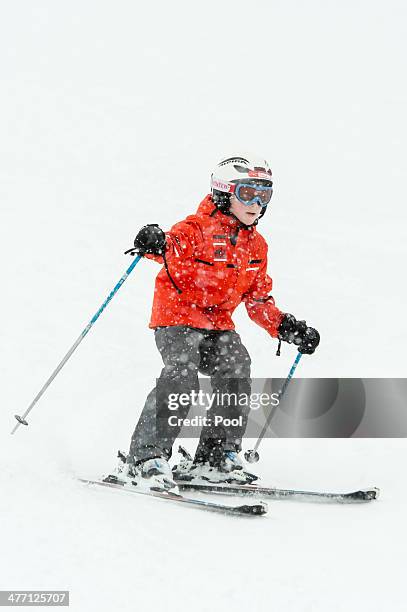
(216, 263)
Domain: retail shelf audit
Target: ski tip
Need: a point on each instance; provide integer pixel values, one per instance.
(253, 510)
(369, 494)
(372, 493)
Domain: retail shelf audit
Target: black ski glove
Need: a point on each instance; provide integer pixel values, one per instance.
(309, 341)
(298, 333)
(150, 239)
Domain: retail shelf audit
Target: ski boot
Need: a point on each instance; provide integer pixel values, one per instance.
(157, 474)
(125, 472)
(218, 466)
(152, 474)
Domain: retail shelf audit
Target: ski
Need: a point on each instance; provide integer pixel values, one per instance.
(250, 490)
(113, 482)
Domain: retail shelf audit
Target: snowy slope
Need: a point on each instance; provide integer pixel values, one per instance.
(112, 117)
(119, 551)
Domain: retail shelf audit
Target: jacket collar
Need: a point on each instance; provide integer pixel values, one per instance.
(207, 208)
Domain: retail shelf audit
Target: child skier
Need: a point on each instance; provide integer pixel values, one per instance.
(213, 261)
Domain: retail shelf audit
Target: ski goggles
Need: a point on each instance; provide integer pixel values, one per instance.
(253, 194)
(246, 193)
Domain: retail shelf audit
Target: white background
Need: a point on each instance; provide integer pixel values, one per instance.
(112, 115)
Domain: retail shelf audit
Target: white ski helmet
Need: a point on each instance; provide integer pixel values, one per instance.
(236, 169)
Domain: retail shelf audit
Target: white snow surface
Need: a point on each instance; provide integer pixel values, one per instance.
(112, 116)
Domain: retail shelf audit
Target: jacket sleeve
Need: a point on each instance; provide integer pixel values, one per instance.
(181, 240)
(260, 305)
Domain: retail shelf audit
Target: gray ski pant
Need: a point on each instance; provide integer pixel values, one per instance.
(187, 351)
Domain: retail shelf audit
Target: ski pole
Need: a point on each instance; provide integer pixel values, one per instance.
(252, 456)
(21, 420)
